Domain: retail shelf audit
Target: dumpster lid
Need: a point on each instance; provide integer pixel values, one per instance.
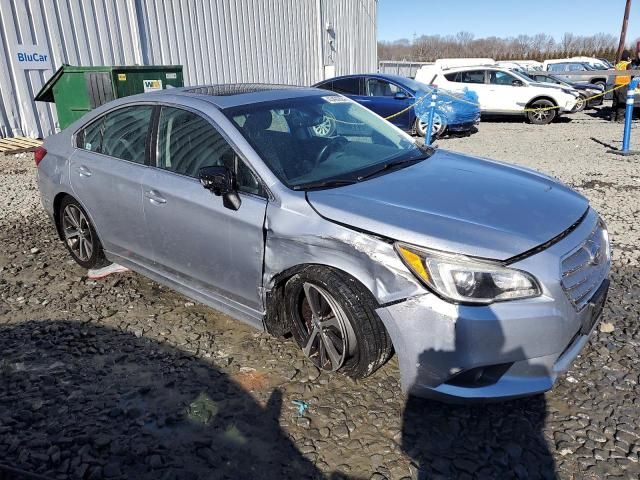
(46, 92)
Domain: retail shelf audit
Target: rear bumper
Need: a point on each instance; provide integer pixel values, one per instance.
(463, 127)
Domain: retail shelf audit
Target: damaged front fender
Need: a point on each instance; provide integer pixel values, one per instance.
(299, 237)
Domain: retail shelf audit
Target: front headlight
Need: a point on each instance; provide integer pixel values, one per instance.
(462, 279)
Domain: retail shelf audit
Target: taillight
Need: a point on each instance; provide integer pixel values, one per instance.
(38, 154)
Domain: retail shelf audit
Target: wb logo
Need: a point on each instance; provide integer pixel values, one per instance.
(151, 85)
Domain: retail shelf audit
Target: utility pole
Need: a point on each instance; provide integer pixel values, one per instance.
(623, 32)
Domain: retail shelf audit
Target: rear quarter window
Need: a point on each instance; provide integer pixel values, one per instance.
(90, 137)
(325, 86)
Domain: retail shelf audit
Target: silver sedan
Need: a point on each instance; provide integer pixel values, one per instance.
(300, 212)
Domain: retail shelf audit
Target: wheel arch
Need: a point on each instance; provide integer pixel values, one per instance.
(595, 80)
(57, 201)
(541, 97)
(275, 321)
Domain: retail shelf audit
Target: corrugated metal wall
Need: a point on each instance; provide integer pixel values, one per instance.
(76, 32)
(217, 41)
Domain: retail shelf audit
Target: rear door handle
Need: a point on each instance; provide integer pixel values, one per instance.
(154, 197)
(83, 171)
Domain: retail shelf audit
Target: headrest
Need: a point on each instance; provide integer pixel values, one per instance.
(258, 121)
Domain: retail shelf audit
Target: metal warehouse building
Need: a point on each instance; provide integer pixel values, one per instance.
(282, 41)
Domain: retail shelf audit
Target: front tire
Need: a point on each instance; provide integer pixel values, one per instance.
(80, 236)
(543, 112)
(333, 320)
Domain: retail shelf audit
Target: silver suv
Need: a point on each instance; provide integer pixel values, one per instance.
(301, 212)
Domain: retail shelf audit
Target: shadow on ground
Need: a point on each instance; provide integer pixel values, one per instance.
(478, 441)
(83, 401)
(481, 441)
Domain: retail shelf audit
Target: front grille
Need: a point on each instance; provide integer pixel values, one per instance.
(584, 268)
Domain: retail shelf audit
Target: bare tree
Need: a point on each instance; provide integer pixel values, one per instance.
(538, 47)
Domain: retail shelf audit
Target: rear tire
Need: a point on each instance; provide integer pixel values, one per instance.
(581, 104)
(79, 235)
(439, 126)
(543, 116)
(334, 322)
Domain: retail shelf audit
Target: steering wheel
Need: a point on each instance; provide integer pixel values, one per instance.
(331, 145)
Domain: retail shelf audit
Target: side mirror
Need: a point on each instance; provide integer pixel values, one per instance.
(517, 83)
(219, 181)
(400, 96)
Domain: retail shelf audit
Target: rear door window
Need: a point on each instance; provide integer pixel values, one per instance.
(470, 76)
(558, 67)
(347, 86)
(125, 132)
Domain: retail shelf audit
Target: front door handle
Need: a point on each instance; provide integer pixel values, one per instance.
(154, 197)
(83, 171)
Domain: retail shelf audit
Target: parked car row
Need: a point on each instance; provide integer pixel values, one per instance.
(468, 88)
(405, 102)
(590, 93)
(505, 92)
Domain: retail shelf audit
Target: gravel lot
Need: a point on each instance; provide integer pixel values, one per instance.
(122, 378)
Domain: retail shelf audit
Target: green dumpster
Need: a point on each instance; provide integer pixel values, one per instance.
(77, 90)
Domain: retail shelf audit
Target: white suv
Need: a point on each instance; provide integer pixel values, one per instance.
(503, 91)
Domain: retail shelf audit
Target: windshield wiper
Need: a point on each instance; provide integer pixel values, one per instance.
(325, 184)
(392, 165)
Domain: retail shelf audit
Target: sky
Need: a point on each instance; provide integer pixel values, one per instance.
(504, 18)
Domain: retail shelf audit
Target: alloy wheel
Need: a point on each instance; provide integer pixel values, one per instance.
(541, 115)
(77, 232)
(436, 127)
(329, 338)
(326, 127)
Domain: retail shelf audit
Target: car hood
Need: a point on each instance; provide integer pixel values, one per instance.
(550, 85)
(585, 86)
(459, 204)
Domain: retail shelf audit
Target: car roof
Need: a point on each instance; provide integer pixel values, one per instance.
(228, 95)
(474, 67)
(386, 76)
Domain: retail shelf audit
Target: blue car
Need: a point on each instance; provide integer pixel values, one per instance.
(387, 95)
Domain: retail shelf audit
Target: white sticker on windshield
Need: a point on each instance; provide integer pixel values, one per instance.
(336, 99)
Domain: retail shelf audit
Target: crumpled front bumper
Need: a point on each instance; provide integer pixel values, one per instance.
(519, 346)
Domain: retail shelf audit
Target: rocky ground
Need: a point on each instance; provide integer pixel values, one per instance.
(122, 378)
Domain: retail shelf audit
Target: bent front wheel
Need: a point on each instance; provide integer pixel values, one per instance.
(333, 320)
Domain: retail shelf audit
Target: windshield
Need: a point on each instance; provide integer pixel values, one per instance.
(560, 81)
(521, 75)
(314, 139)
(415, 85)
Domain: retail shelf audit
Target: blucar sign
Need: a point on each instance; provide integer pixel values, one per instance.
(31, 57)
